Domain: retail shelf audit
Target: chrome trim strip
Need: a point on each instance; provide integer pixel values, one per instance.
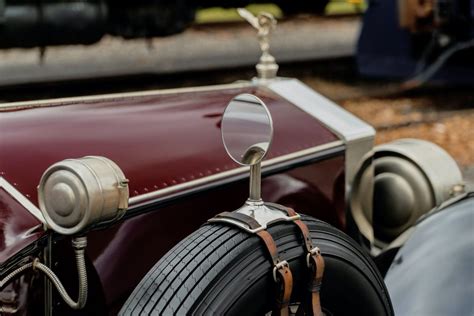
(256, 230)
(226, 174)
(329, 113)
(22, 200)
(65, 101)
(358, 136)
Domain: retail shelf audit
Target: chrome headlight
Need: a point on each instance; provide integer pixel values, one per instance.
(75, 194)
(410, 177)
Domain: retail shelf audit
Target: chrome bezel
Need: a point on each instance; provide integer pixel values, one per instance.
(270, 122)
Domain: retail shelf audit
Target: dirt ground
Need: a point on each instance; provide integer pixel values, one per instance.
(442, 115)
(401, 118)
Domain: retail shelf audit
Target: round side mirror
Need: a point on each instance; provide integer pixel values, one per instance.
(247, 129)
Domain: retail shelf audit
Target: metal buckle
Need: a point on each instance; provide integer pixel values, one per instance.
(315, 251)
(278, 266)
(265, 215)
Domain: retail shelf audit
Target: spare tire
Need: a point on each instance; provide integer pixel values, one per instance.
(221, 269)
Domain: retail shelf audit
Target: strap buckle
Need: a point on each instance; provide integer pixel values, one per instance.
(315, 251)
(280, 265)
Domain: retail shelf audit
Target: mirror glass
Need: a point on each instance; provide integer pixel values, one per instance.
(247, 129)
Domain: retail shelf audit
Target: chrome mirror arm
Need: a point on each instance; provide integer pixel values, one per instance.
(255, 185)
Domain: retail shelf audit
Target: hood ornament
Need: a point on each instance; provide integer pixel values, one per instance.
(265, 23)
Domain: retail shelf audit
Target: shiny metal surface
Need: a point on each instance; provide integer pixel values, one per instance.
(265, 23)
(76, 193)
(111, 96)
(237, 173)
(255, 190)
(411, 177)
(246, 129)
(357, 135)
(78, 244)
(18, 227)
(247, 132)
(35, 211)
(401, 195)
(77, 127)
(438, 166)
(264, 213)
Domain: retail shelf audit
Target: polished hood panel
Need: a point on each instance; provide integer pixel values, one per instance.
(158, 140)
(18, 227)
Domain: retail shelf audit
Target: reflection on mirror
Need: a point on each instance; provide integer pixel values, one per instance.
(247, 129)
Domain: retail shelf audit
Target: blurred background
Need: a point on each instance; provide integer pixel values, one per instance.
(404, 66)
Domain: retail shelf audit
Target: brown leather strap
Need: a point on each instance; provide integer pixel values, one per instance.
(315, 263)
(270, 245)
(281, 274)
(281, 270)
(285, 282)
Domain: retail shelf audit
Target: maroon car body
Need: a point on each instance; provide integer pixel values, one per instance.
(169, 146)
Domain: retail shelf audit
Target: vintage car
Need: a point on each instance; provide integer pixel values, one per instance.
(106, 233)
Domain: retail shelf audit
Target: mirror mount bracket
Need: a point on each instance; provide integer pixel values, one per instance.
(265, 214)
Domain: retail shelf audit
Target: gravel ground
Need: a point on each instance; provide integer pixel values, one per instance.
(442, 115)
(398, 118)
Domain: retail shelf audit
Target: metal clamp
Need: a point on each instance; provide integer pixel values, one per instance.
(315, 251)
(264, 214)
(278, 266)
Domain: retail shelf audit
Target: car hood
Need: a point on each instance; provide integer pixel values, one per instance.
(161, 140)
